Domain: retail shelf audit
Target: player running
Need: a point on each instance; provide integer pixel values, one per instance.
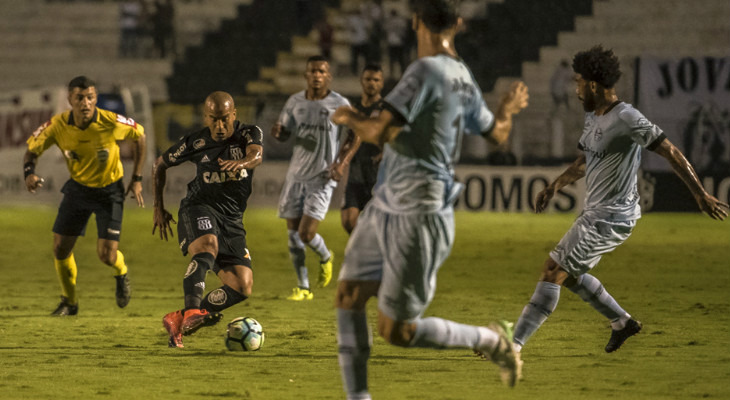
(87, 136)
(225, 153)
(364, 164)
(406, 231)
(614, 135)
(308, 187)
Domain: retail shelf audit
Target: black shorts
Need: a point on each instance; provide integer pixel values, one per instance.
(79, 201)
(200, 220)
(357, 194)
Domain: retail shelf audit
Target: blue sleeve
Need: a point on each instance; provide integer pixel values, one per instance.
(481, 121)
(641, 130)
(414, 90)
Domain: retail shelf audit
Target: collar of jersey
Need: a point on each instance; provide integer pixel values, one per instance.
(94, 117)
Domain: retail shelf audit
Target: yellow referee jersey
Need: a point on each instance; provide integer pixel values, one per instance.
(92, 154)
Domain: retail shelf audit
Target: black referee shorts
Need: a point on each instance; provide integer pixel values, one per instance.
(80, 201)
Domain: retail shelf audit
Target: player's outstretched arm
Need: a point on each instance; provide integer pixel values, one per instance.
(135, 185)
(254, 157)
(710, 205)
(378, 130)
(161, 218)
(511, 103)
(32, 181)
(576, 171)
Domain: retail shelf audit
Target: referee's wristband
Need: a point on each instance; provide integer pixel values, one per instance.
(136, 178)
(28, 169)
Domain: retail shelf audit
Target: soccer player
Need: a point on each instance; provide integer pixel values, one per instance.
(225, 153)
(406, 231)
(87, 136)
(614, 135)
(308, 187)
(364, 163)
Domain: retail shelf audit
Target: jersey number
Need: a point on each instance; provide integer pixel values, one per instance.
(459, 127)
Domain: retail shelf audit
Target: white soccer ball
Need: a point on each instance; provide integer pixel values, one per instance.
(244, 334)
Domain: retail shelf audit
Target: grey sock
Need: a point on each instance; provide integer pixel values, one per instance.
(536, 312)
(591, 290)
(297, 253)
(317, 244)
(438, 333)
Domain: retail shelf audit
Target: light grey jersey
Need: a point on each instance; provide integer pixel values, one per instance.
(440, 101)
(316, 138)
(612, 144)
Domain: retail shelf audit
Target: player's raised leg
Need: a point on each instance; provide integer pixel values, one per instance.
(592, 291)
(109, 254)
(237, 286)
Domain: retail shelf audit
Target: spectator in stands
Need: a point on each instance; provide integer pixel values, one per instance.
(560, 85)
(372, 11)
(130, 15)
(163, 30)
(395, 35)
(326, 37)
(358, 35)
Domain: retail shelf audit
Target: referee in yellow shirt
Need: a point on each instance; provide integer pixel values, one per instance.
(88, 137)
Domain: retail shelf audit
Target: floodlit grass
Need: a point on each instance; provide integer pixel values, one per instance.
(673, 274)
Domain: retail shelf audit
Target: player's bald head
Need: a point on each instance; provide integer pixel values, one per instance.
(219, 103)
(219, 115)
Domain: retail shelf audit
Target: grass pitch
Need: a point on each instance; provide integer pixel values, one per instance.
(672, 274)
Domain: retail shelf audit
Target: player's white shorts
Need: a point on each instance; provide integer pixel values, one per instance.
(310, 198)
(404, 252)
(588, 240)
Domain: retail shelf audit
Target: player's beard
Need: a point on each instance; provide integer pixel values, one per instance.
(588, 101)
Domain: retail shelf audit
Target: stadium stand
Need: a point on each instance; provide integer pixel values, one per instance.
(256, 49)
(664, 28)
(46, 43)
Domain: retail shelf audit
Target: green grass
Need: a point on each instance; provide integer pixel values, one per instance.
(673, 274)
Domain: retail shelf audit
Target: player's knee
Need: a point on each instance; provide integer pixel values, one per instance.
(107, 255)
(306, 235)
(349, 224)
(61, 252)
(353, 295)
(246, 287)
(552, 272)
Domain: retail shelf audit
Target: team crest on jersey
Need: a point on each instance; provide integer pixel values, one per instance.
(236, 152)
(199, 143)
(597, 135)
(102, 155)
